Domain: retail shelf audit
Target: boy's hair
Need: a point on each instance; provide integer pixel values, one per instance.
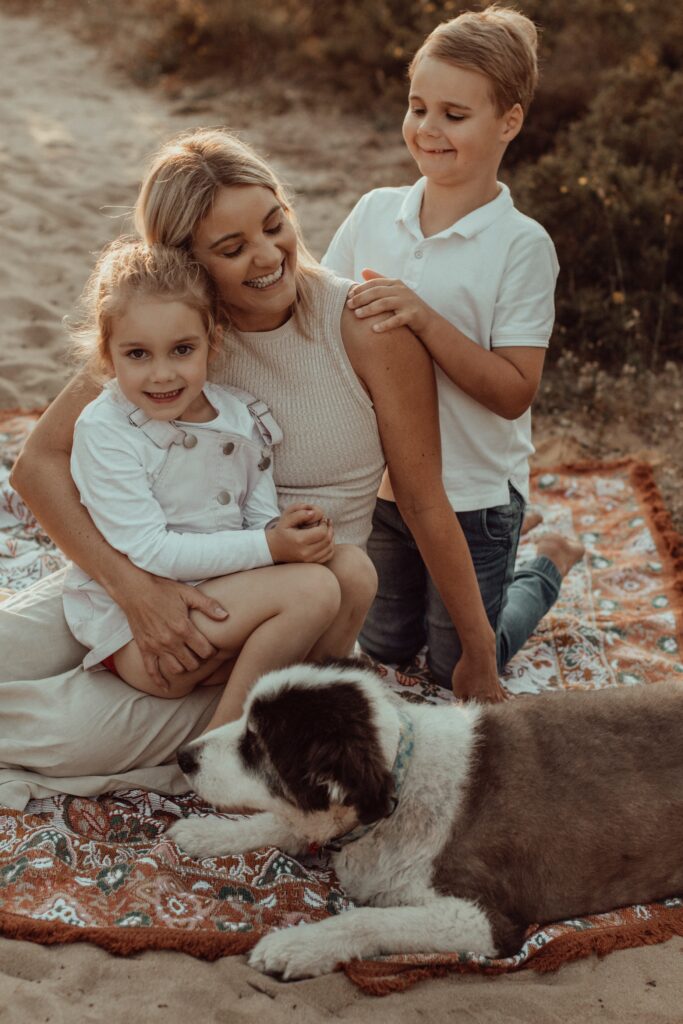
(499, 42)
(181, 185)
(126, 269)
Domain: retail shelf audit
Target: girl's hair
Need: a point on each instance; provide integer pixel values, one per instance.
(499, 42)
(128, 269)
(181, 185)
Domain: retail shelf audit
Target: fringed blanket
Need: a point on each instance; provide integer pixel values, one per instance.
(102, 870)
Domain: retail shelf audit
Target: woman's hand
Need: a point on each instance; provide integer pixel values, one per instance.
(475, 677)
(158, 613)
(302, 534)
(384, 295)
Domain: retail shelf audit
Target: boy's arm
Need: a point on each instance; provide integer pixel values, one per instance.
(505, 378)
(158, 610)
(399, 376)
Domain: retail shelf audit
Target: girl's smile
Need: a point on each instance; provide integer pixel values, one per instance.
(249, 246)
(159, 352)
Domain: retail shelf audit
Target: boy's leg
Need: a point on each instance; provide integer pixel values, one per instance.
(394, 630)
(492, 536)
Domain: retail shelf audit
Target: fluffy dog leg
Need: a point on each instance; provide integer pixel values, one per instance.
(445, 925)
(215, 837)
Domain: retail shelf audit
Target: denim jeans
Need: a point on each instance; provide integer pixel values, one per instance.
(408, 611)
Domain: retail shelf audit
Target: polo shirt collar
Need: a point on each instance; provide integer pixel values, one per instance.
(467, 227)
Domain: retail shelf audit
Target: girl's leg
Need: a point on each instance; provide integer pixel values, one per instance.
(276, 614)
(357, 578)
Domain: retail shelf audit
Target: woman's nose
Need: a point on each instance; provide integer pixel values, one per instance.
(268, 255)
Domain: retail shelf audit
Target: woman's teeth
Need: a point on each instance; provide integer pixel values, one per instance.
(265, 282)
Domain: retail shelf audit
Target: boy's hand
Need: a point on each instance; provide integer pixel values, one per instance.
(302, 534)
(475, 677)
(383, 295)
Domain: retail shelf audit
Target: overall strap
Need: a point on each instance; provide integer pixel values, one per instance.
(269, 430)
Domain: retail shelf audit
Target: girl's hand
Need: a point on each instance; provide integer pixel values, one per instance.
(383, 295)
(158, 615)
(302, 534)
(475, 677)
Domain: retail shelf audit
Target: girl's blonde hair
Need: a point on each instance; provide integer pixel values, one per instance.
(499, 42)
(128, 269)
(181, 185)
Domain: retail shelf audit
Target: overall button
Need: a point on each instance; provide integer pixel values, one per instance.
(228, 447)
(189, 441)
(223, 497)
(264, 463)
(419, 254)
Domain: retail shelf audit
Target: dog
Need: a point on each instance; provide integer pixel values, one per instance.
(456, 827)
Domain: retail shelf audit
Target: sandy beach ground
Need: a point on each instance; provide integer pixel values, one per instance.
(73, 143)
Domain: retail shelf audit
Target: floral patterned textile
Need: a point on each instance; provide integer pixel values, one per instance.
(102, 870)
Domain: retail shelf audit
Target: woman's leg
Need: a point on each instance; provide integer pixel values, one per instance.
(276, 616)
(357, 578)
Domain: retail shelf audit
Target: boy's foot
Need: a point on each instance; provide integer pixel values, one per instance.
(563, 552)
(531, 520)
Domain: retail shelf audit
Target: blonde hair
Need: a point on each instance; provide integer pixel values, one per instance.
(127, 269)
(181, 185)
(499, 42)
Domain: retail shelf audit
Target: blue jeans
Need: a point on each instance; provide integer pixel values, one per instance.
(408, 611)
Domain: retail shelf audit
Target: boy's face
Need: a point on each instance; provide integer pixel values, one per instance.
(452, 128)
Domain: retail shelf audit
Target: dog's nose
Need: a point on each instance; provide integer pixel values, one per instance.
(187, 761)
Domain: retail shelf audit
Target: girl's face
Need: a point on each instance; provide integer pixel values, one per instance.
(452, 128)
(248, 245)
(159, 351)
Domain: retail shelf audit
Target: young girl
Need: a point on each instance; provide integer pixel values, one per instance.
(176, 473)
(473, 278)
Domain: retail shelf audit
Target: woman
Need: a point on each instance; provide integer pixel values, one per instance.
(346, 398)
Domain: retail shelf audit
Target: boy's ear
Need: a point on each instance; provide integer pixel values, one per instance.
(513, 120)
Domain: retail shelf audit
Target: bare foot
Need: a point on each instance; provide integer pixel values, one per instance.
(563, 552)
(531, 520)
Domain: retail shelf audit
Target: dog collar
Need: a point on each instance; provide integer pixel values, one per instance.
(404, 752)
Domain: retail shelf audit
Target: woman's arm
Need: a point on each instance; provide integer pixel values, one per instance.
(397, 371)
(157, 610)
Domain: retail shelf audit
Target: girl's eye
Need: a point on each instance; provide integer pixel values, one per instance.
(184, 350)
(137, 353)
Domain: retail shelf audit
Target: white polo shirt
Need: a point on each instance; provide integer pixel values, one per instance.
(492, 274)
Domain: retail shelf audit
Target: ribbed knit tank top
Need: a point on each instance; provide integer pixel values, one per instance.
(331, 454)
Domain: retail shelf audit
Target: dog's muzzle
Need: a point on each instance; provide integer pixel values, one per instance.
(188, 762)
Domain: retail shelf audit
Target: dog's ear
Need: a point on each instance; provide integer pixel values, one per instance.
(324, 746)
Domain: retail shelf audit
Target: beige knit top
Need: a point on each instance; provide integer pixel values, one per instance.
(331, 453)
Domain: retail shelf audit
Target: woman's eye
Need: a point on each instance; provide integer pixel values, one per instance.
(455, 117)
(419, 111)
(229, 255)
(275, 229)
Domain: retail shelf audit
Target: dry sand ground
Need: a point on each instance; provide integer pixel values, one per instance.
(74, 139)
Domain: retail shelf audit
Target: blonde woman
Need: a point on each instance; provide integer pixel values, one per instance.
(348, 401)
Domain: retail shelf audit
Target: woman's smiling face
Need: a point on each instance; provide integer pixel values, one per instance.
(248, 245)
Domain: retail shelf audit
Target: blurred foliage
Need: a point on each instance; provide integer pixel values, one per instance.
(598, 163)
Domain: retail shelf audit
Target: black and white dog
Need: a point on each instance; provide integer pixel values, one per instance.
(454, 827)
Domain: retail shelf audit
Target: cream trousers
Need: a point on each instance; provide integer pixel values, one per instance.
(67, 730)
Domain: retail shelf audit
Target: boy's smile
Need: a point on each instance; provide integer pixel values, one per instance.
(452, 128)
(159, 352)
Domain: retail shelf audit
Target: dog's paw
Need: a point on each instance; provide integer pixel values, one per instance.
(200, 837)
(294, 953)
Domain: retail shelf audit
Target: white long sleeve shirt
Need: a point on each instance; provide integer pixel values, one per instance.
(186, 501)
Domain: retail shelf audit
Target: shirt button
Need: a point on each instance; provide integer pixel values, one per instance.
(419, 254)
(223, 497)
(228, 447)
(189, 441)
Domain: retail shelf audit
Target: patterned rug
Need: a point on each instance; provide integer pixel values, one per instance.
(102, 870)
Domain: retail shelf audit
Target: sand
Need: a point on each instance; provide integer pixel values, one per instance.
(74, 140)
